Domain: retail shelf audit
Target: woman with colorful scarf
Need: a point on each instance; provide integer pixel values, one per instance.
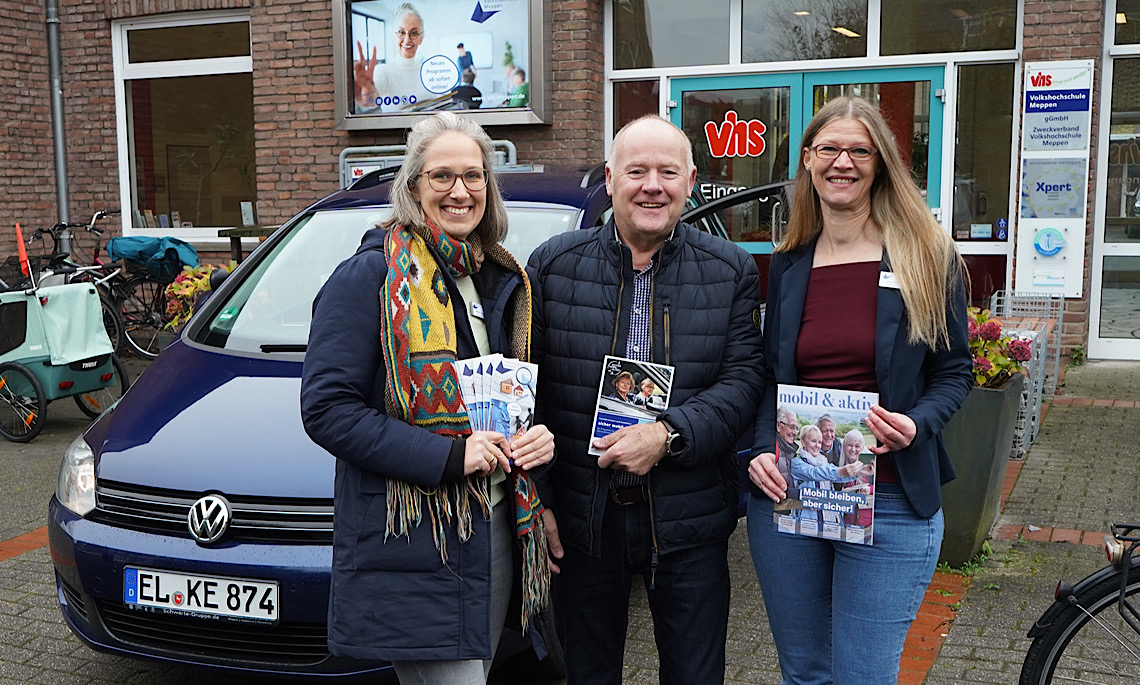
(425, 509)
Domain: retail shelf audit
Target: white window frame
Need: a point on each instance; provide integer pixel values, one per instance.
(873, 60)
(1101, 347)
(124, 71)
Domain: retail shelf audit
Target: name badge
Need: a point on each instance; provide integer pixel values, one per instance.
(477, 310)
(887, 279)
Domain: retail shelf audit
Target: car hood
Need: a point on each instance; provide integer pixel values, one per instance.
(199, 421)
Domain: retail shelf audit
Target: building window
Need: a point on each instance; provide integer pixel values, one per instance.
(983, 155)
(911, 28)
(1127, 22)
(185, 96)
(775, 30)
(635, 99)
(670, 33)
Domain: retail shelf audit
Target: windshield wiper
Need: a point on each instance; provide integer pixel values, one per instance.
(284, 347)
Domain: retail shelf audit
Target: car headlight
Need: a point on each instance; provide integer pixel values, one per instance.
(76, 487)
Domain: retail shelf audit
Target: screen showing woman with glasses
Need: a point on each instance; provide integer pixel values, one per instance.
(395, 85)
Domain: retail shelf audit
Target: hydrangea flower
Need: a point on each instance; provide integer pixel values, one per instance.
(996, 356)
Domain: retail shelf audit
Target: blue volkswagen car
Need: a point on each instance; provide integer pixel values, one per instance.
(193, 521)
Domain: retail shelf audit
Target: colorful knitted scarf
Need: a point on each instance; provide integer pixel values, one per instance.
(418, 339)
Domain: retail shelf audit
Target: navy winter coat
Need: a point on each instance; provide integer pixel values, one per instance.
(393, 600)
(926, 385)
(705, 322)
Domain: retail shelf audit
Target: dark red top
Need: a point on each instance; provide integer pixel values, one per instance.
(836, 347)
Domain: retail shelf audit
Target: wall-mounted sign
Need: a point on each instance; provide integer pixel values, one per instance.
(735, 138)
(401, 60)
(1053, 202)
(1048, 241)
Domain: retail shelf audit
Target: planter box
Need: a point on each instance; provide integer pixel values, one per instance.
(978, 439)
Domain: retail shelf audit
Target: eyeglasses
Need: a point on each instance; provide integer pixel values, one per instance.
(793, 426)
(414, 34)
(859, 153)
(443, 180)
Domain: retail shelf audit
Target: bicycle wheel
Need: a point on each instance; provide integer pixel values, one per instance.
(143, 308)
(1090, 642)
(22, 403)
(96, 402)
(112, 321)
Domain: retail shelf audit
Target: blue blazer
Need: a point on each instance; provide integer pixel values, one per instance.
(926, 385)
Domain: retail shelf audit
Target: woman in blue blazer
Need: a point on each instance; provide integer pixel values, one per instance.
(865, 293)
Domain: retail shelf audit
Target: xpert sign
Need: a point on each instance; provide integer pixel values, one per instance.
(1053, 202)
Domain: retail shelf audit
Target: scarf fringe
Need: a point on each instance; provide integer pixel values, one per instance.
(450, 504)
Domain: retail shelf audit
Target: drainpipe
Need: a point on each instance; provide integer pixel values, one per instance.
(59, 139)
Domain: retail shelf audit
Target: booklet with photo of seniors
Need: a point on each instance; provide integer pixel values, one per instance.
(629, 393)
(822, 442)
(498, 392)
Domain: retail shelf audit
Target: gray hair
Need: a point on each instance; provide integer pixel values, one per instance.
(852, 437)
(787, 415)
(807, 429)
(406, 210)
(406, 8)
(660, 119)
(825, 417)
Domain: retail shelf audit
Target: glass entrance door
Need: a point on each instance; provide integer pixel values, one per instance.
(746, 132)
(1115, 299)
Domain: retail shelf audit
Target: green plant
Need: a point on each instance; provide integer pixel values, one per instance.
(508, 56)
(971, 567)
(1077, 356)
(183, 292)
(942, 592)
(997, 357)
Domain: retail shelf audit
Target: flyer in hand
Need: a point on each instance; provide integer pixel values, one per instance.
(831, 487)
(498, 392)
(629, 393)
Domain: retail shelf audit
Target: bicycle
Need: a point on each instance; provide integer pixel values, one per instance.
(138, 296)
(56, 268)
(1091, 633)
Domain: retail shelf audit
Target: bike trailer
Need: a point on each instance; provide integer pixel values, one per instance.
(57, 333)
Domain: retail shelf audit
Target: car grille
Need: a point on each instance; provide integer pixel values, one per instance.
(256, 519)
(295, 644)
(74, 600)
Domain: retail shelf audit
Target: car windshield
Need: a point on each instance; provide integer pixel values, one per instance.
(271, 309)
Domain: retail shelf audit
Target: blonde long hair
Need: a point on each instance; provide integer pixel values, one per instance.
(921, 253)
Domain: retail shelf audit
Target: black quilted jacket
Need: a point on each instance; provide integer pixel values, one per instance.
(705, 323)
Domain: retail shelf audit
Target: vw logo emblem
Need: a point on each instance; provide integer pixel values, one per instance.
(209, 518)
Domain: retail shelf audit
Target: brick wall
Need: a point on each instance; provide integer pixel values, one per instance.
(25, 122)
(1072, 30)
(297, 140)
(297, 143)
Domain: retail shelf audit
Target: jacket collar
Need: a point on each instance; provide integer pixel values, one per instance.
(610, 241)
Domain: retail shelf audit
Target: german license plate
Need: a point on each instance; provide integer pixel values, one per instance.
(230, 597)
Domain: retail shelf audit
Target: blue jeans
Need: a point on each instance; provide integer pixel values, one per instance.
(840, 612)
(688, 599)
(474, 671)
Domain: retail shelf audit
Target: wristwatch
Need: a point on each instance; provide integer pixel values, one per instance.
(674, 442)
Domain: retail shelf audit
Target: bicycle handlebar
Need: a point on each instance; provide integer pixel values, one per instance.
(56, 230)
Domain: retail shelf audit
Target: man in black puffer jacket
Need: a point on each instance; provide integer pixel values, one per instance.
(661, 501)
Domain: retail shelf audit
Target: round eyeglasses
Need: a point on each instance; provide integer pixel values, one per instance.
(859, 153)
(443, 180)
(414, 34)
